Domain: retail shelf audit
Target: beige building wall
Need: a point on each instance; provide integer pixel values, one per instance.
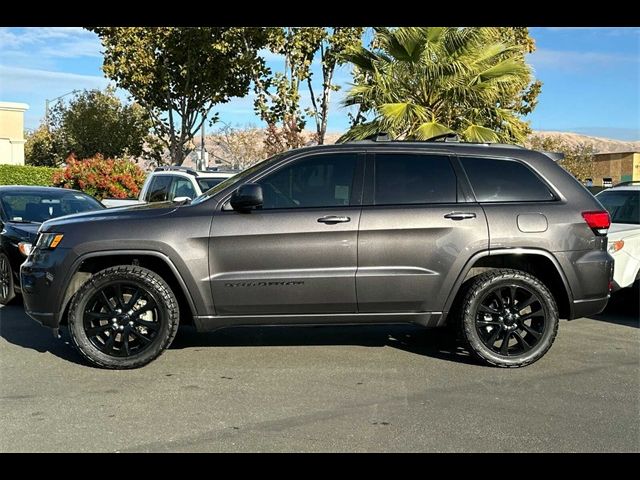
(12, 132)
(621, 167)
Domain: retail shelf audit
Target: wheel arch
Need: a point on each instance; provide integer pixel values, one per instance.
(93, 262)
(540, 263)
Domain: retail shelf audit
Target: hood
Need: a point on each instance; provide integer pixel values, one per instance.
(145, 210)
(24, 231)
(622, 230)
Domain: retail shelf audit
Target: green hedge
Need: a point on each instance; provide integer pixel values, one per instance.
(26, 175)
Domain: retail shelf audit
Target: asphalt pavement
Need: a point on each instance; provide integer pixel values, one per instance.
(328, 389)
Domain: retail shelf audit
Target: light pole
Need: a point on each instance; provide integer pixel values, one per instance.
(47, 102)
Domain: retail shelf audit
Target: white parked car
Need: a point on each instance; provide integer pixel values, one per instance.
(169, 183)
(623, 204)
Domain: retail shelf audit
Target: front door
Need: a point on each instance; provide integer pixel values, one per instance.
(415, 234)
(298, 253)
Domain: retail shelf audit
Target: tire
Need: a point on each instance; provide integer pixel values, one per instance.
(7, 287)
(527, 319)
(146, 317)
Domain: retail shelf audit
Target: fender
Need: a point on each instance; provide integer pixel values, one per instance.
(103, 253)
(506, 251)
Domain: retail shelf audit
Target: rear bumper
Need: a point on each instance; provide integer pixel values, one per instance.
(585, 308)
(589, 275)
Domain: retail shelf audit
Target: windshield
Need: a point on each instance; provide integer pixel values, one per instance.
(36, 207)
(235, 179)
(207, 183)
(623, 205)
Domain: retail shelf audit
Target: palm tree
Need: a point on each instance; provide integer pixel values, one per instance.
(429, 81)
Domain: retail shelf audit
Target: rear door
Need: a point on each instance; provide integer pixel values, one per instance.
(417, 230)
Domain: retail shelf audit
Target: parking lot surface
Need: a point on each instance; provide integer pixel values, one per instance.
(337, 389)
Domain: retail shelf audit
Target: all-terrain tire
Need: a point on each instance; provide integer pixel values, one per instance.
(478, 290)
(155, 288)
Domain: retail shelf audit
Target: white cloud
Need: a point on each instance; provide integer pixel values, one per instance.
(574, 61)
(28, 80)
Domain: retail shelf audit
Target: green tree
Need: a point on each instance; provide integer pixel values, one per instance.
(578, 158)
(421, 82)
(278, 96)
(179, 74)
(97, 122)
(41, 149)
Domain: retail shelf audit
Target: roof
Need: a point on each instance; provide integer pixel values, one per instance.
(616, 153)
(35, 188)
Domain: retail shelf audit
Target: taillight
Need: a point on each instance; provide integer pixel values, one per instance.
(598, 221)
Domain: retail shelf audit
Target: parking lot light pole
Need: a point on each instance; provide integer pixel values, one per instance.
(48, 101)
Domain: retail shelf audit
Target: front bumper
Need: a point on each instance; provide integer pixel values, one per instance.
(43, 278)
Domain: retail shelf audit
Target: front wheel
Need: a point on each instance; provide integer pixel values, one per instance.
(7, 291)
(509, 318)
(123, 317)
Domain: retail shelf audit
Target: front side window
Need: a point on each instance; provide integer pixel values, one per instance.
(314, 181)
(404, 179)
(502, 180)
(182, 187)
(159, 188)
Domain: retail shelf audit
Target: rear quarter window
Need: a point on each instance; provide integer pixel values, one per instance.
(504, 180)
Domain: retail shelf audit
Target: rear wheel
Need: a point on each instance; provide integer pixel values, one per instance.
(509, 318)
(123, 317)
(7, 288)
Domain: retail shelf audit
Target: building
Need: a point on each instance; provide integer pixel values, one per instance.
(12, 132)
(612, 168)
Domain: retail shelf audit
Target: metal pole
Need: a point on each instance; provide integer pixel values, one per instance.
(46, 113)
(202, 159)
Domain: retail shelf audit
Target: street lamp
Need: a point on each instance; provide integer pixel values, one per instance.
(48, 101)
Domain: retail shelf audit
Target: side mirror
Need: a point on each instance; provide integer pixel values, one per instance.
(182, 200)
(247, 197)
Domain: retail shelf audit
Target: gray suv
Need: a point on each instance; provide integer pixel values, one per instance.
(496, 240)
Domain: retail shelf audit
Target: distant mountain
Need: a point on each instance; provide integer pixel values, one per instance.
(600, 145)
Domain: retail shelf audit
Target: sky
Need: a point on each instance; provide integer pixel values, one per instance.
(590, 75)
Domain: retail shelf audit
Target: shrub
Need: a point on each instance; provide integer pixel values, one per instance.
(26, 175)
(41, 148)
(102, 178)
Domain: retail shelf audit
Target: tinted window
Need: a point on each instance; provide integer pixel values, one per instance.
(413, 178)
(182, 187)
(495, 180)
(317, 181)
(623, 205)
(38, 207)
(159, 188)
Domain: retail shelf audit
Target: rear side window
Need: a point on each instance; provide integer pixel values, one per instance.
(498, 180)
(159, 188)
(404, 179)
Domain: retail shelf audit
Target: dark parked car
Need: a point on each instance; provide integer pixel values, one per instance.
(497, 240)
(22, 211)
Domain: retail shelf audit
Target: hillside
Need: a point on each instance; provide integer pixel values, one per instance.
(250, 145)
(600, 145)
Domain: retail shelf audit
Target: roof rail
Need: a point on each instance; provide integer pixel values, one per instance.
(555, 156)
(222, 170)
(379, 137)
(176, 168)
(628, 182)
(445, 137)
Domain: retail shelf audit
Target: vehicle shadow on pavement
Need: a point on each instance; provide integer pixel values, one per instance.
(623, 308)
(17, 328)
(436, 343)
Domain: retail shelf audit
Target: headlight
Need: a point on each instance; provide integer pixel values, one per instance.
(49, 240)
(615, 246)
(25, 248)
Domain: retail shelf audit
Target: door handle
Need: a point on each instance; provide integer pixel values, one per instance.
(460, 215)
(331, 219)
